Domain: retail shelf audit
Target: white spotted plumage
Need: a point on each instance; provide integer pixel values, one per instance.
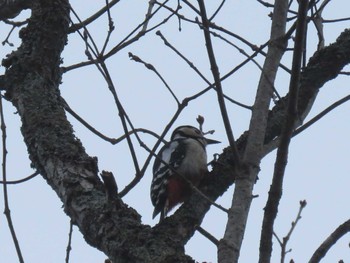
(180, 161)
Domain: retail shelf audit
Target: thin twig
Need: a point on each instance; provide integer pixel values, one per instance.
(122, 44)
(7, 210)
(191, 6)
(21, 180)
(151, 67)
(293, 225)
(217, 10)
(69, 245)
(125, 42)
(87, 36)
(216, 75)
(123, 117)
(110, 28)
(148, 15)
(6, 41)
(336, 20)
(321, 114)
(191, 64)
(102, 136)
(101, 66)
(208, 235)
(252, 46)
(76, 27)
(14, 23)
(278, 239)
(224, 30)
(249, 58)
(273, 144)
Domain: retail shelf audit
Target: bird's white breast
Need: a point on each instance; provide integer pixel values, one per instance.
(195, 161)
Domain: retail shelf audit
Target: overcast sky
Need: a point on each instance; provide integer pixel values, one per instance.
(318, 169)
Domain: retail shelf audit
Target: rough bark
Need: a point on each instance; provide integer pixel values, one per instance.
(11, 8)
(230, 245)
(31, 82)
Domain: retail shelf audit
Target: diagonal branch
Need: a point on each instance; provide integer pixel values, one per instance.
(216, 75)
(81, 24)
(330, 241)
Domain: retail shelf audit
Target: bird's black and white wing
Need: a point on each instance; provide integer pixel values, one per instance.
(167, 161)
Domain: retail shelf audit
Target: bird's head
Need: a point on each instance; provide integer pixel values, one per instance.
(187, 131)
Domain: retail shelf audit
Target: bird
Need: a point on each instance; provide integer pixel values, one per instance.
(180, 162)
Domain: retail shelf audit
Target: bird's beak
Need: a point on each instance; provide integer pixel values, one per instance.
(210, 141)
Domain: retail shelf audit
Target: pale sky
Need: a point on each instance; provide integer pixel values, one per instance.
(318, 168)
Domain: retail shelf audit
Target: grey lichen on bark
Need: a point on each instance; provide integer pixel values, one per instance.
(31, 82)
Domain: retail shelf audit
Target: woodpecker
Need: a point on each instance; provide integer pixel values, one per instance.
(179, 163)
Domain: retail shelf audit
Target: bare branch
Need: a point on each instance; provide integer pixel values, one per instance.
(76, 27)
(7, 210)
(151, 67)
(275, 193)
(69, 245)
(284, 250)
(217, 80)
(208, 235)
(21, 180)
(321, 114)
(101, 66)
(128, 40)
(217, 10)
(110, 27)
(330, 241)
(230, 245)
(255, 48)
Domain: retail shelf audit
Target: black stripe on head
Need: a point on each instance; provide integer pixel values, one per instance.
(178, 131)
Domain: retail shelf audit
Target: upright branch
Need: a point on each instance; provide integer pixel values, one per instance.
(275, 192)
(69, 245)
(7, 210)
(230, 245)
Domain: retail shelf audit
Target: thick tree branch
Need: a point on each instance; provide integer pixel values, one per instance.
(31, 82)
(11, 8)
(322, 67)
(230, 245)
